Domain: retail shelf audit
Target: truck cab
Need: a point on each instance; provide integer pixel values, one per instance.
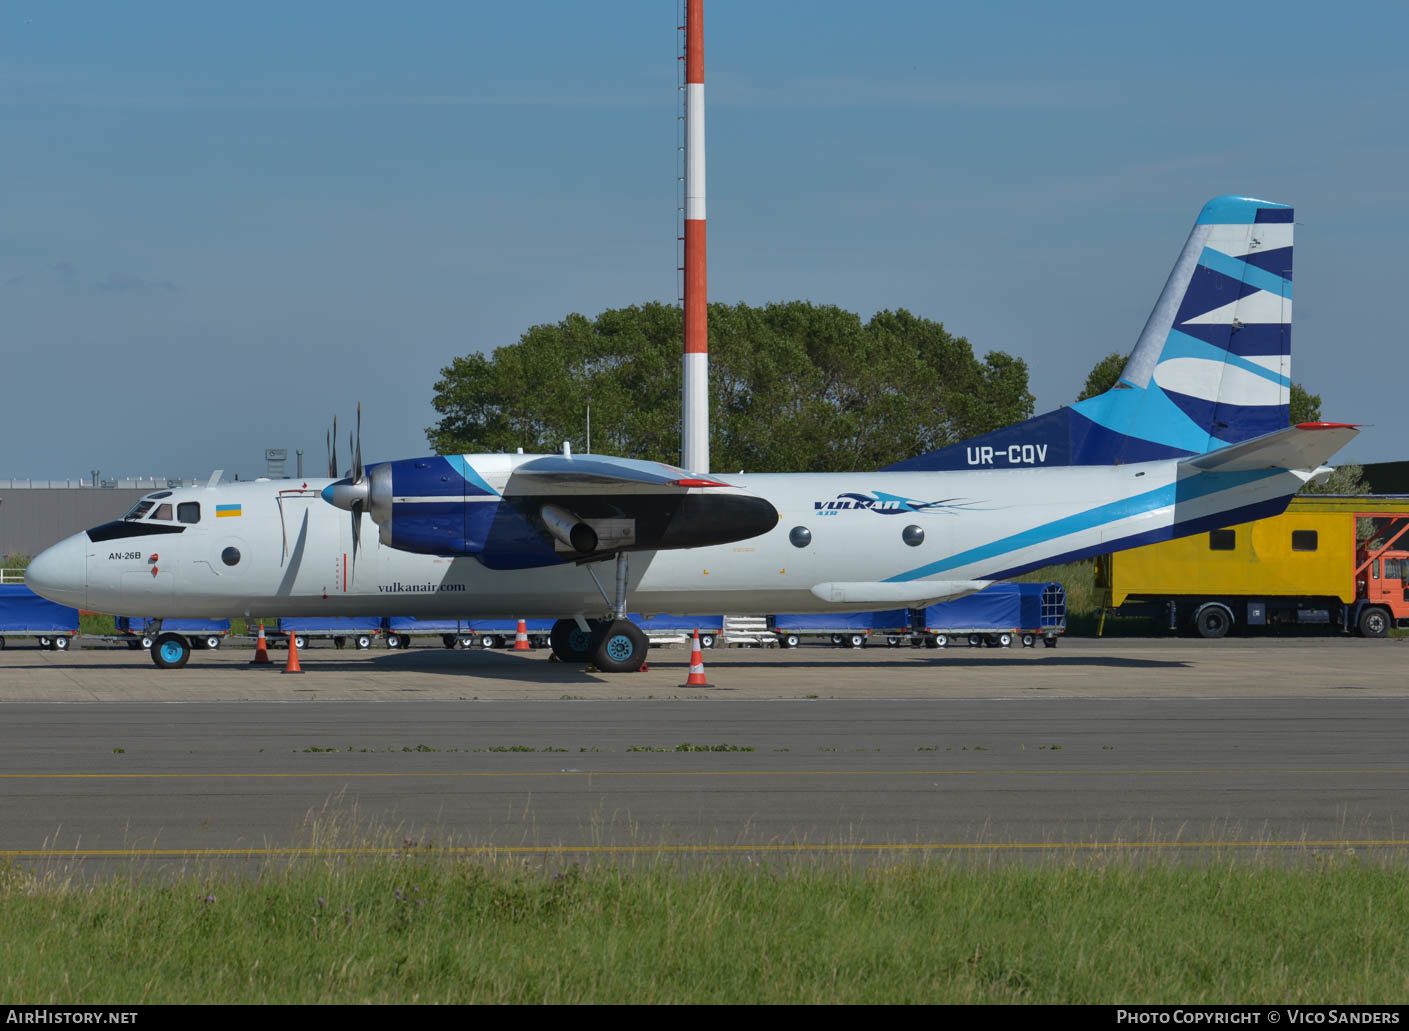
(1381, 590)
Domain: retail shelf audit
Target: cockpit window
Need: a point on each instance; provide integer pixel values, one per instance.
(189, 512)
(163, 512)
(158, 496)
(138, 510)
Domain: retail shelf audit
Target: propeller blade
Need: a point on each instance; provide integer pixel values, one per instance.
(333, 454)
(356, 535)
(357, 454)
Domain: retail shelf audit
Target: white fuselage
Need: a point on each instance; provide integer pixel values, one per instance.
(295, 555)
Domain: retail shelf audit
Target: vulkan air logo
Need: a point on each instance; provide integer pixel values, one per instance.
(882, 504)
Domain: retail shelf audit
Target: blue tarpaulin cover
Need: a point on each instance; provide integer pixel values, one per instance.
(139, 624)
(683, 624)
(1003, 606)
(507, 626)
(22, 609)
(330, 624)
(890, 619)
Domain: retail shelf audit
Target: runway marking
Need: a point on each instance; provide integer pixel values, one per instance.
(515, 850)
(433, 774)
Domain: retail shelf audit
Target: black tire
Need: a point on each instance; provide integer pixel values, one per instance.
(170, 651)
(448, 640)
(1004, 640)
(487, 641)
(619, 647)
(569, 642)
(500, 641)
(46, 642)
(975, 641)
(837, 639)
(364, 641)
(1049, 642)
(856, 641)
(791, 640)
(61, 644)
(706, 640)
(892, 642)
(467, 642)
(939, 641)
(146, 641)
(134, 645)
(1374, 622)
(339, 642)
(395, 641)
(1213, 621)
(212, 643)
(300, 642)
(1029, 640)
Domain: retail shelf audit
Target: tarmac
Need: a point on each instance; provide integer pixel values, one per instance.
(1116, 745)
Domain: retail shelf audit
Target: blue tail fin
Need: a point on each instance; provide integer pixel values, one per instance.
(1212, 367)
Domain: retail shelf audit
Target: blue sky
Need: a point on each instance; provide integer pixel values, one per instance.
(220, 225)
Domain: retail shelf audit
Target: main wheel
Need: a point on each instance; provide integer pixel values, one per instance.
(47, 643)
(706, 640)
(570, 643)
(791, 640)
(1049, 642)
(170, 651)
(619, 647)
(467, 642)
(939, 641)
(856, 641)
(1029, 640)
(448, 640)
(975, 640)
(364, 641)
(1374, 622)
(212, 643)
(1213, 621)
(1005, 640)
(146, 640)
(487, 641)
(395, 641)
(61, 644)
(300, 642)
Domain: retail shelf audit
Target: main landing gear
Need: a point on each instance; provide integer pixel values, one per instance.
(614, 644)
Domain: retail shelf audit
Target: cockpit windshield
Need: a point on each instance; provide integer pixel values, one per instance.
(138, 510)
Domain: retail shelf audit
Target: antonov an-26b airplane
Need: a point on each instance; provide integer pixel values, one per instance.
(1194, 437)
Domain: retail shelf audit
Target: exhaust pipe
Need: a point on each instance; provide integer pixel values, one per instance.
(569, 529)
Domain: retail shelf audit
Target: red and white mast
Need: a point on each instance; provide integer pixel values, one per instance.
(694, 426)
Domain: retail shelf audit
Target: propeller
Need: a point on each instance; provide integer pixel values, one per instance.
(352, 493)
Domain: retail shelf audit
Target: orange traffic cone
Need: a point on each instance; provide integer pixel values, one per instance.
(292, 665)
(521, 638)
(697, 673)
(261, 650)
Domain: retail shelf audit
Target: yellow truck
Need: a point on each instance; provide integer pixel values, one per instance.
(1327, 559)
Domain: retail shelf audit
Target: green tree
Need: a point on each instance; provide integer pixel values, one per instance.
(1103, 376)
(1305, 407)
(794, 386)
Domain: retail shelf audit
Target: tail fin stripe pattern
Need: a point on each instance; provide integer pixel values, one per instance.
(1212, 366)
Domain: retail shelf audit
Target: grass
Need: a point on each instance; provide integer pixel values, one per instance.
(483, 931)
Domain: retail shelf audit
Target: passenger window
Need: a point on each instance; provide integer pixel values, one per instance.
(163, 512)
(1222, 540)
(1303, 540)
(189, 512)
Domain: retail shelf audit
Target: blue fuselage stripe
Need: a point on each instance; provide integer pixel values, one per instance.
(1190, 489)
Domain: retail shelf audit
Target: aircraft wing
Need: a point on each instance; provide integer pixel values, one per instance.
(598, 474)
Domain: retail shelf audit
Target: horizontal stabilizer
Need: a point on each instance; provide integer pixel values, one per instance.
(912, 592)
(1304, 447)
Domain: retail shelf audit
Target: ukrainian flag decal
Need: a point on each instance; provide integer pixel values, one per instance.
(221, 511)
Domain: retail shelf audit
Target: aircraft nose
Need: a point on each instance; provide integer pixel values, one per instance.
(60, 573)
